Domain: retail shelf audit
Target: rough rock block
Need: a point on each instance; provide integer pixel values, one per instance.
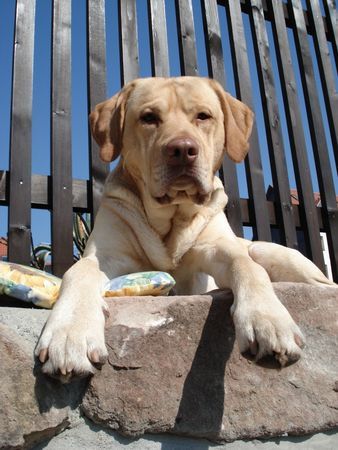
(174, 366)
(33, 408)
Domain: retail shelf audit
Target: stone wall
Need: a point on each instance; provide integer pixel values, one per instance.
(174, 367)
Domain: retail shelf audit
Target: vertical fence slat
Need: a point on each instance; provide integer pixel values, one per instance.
(307, 207)
(19, 217)
(97, 92)
(158, 38)
(213, 40)
(331, 21)
(326, 185)
(326, 72)
(272, 125)
(213, 44)
(186, 38)
(128, 41)
(257, 195)
(62, 202)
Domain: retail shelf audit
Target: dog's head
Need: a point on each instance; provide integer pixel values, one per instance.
(172, 133)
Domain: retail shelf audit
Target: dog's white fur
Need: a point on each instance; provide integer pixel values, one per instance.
(154, 218)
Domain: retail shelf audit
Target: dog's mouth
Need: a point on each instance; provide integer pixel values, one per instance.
(186, 187)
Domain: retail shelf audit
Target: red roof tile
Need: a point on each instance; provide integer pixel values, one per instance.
(3, 247)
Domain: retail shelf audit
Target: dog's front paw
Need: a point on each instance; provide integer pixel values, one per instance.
(71, 348)
(266, 328)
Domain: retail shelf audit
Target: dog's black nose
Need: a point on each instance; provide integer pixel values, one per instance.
(181, 151)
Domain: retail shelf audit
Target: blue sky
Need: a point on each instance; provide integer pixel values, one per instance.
(41, 88)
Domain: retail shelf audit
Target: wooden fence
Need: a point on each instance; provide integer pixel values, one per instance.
(21, 190)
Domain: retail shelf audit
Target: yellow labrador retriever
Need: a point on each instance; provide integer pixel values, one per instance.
(163, 209)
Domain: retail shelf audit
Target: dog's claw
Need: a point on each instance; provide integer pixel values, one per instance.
(299, 341)
(285, 359)
(253, 347)
(94, 357)
(43, 355)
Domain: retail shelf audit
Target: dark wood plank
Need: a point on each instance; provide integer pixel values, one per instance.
(326, 72)
(246, 8)
(296, 135)
(254, 170)
(158, 38)
(62, 213)
(324, 173)
(42, 187)
(41, 192)
(213, 40)
(331, 21)
(186, 37)
(272, 125)
(213, 45)
(19, 216)
(128, 41)
(97, 92)
(4, 188)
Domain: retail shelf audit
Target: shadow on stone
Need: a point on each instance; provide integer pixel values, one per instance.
(202, 404)
(51, 393)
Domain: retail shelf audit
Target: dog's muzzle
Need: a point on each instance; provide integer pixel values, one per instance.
(181, 178)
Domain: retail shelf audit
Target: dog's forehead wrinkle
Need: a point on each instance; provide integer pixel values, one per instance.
(194, 100)
(144, 96)
(176, 94)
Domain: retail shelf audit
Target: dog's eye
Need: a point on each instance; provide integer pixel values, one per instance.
(150, 118)
(203, 116)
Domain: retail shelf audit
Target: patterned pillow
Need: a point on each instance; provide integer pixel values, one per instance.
(29, 284)
(42, 289)
(140, 283)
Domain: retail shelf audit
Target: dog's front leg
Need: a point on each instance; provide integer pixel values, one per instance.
(263, 325)
(72, 341)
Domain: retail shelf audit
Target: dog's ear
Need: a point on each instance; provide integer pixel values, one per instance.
(238, 121)
(107, 122)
